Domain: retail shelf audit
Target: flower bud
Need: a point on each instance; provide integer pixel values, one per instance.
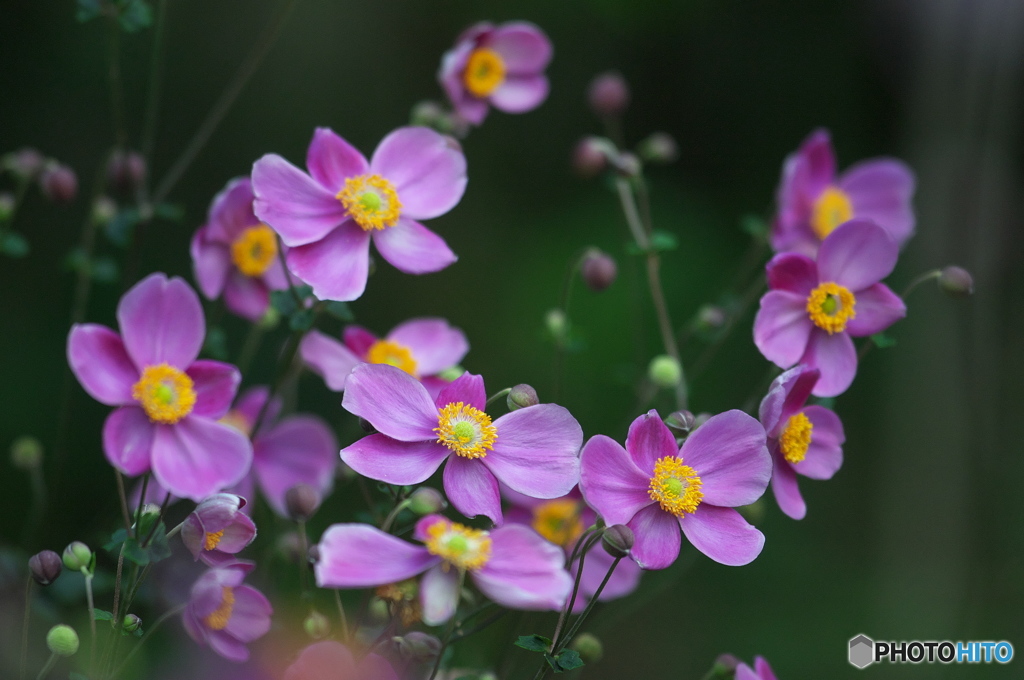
(426, 501)
(627, 165)
(104, 209)
(59, 183)
(77, 556)
(450, 374)
(131, 623)
(589, 647)
(62, 640)
(557, 324)
(24, 163)
(590, 156)
(126, 171)
(608, 94)
(659, 148)
(417, 647)
(680, 422)
(45, 567)
(26, 453)
(664, 371)
(217, 527)
(617, 540)
(598, 270)
(378, 610)
(6, 205)
(301, 501)
(710, 318)
(956, 282)
(317, 626)
(521, 396)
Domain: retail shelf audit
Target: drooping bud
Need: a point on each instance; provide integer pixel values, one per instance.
(6, 205)
(521, 396)
(417, 647)
(62, 640)
(131, 623)
(589, 647)
(126, 171)
(664, 371)
(77, 557)
(590, 156)
(45, 567)
(426, 501)
(301, 501)
(24, 163)
(26, 453)
(608, 94)
(617, 540)
(59, 183)
(680, 422)
(956, 281)
(317, 626)
(598, 270)
(660, 148)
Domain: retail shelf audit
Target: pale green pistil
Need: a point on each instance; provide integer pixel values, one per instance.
(830, 305)
(164, 394)
(370, 201)
(464, 430)
(674, 486)
(457, 544)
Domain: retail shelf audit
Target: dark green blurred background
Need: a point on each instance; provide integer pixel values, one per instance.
(918, 537)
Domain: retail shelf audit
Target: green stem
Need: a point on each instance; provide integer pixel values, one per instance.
(563, 304)
(341, 615)
(92, 616)
(927, 276)
(125, 515)
(149, 632)
(496, 396)
(24, 626)
(590, 606)
(393, 515)
(564, 615)
(250, 347)
(115, 83)
(153, 98)
(50, 663)
(303, 558)
(159, 519)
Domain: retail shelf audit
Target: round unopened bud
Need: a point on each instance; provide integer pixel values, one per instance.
(664, 371)
(104, 209)
(660, 148)
(25, 163)
(426, 501)
(598, 270)
(956, 281)
(608, 94)
(6, 205)
(62, 640)
(589, 647)
(26, 453)
(710, 318)
(59, 183)
(417, 647)
(131, 623)
(45, 567)
(366, 426)
(617, 540)
(680, 422)
(77, 556)
(126, 171)
(301, 501)
(522, 396)
(557, 324)
(317, 626)
(590, 156)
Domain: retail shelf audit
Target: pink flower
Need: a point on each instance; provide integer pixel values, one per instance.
(225, 614)
(423, 348)
(328, 217)
(332, 660)
(813, 309)
(761, 670)
(657, 488)
(812, 201)
(236, 254)
(532, 450)
(168, 403)
(501, 66)
(804, 440)
(217, 529)
(512, 565)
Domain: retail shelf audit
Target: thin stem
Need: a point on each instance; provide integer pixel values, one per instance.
(92, 616)
(393, 515)
(117, 581)
(479, 627)
(155, 73)
(48, 667)
(250, 347)
(496, 396)
(174, 532)
(927, 276)
(449, 631)
(142, 498)
(752, 292)
(124, 503)
(159, 519)
(564, 615)
(303, 558)
(291, 348)
(24, 626)
(145, 637)
(563, 304)
(38, 501)
(341, 615)
(590, 605)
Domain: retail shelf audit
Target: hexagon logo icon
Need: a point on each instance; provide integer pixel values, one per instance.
(862, 651)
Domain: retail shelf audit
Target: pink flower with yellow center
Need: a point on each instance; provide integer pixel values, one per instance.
(813, 200)
(218, 529)
(423, 348)
(813, 309)
(168, 402)
(328, 217)
(226, 615)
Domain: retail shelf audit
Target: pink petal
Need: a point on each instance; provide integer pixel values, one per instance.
(787, 394)
(836, 358)
(786, 489)
(434, 344)
(611, 482)
(161, 322)
(857, 254)
(523, 47)
(231, 211)
(467, 388)
(360, 556)
(519, 94)
(730, 454)
(128, 440)
(723, 535)
(395, 462)
(819, 161)
(294, 204)
(524, 572)
(211, 264)
(763, 669)
(250, 615)
(246, 296)
(825, 454)
(536, 451)
(782, 327)
(472, 489)
(392, 400)
(215, 384)
(198, 457)
(792, 272)
(745, 672)
(877, 308)
(358, 340)
(427, 169)
(331, 160)
(328, 358)
(439, 595)
(656, 538)
(227, 646)
(336, 266)
(649, 440)
(251, 403)
(98, 359)
(300, 449)
(881, 190)
(412, 248)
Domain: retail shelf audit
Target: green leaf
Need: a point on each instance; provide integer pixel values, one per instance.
(216, 343)
(102, 615)
(302, 320)
(569, 660)
(135, 15)
(340, 311)
(88, 9)
(882, 340)
(14, 245)
(534, 643)
(157, 549)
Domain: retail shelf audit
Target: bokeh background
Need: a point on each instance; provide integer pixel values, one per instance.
(919, 535)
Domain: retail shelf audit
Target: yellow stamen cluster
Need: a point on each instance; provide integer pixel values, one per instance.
(796, 437)
(404, 601)
(458, 545)
(485, 71)
(830, 306)
(675, 486)
(465, 430)
(218, 620)
(213, 540)
(166, 393)
(392, 353)
(832, 208)
(254, 250)
(558, 521)
(371, 201)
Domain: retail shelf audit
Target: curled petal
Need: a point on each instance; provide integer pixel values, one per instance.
(439, 595)
(337, 265)
(472, 489)
(836, 358)
(331, 160)
(328, 358)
